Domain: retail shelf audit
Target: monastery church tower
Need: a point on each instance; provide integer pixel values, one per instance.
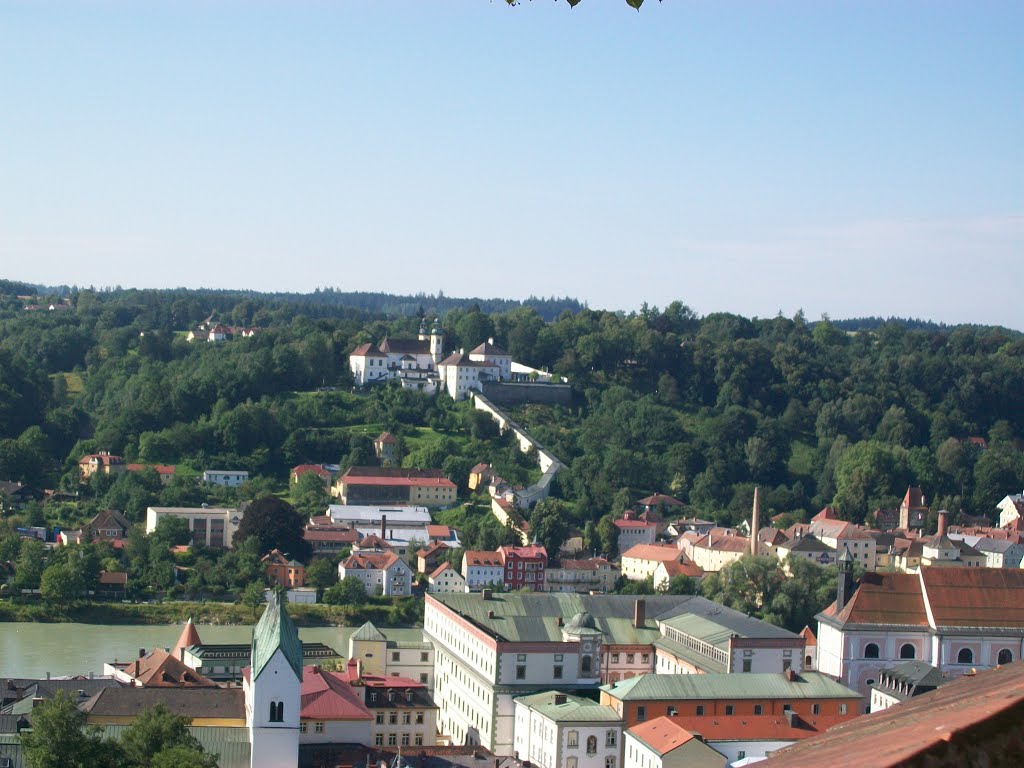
(273, 688)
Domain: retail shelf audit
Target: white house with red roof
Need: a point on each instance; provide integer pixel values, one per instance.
(482, 568)
(660, 743)
(413, 362)
(495, 356)
(382, 573)
(460, 374)
(332, 711)
(634, 528)
(640, 561)
(445, 578)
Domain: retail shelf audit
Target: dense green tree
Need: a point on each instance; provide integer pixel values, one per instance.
(59, 738)
(321, 573)
(348, 591)
(157, 731)
(275, 524)
(549, 524)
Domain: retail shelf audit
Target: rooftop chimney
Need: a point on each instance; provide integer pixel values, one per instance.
(943, 522)
(639, 613)
(383, 522)
(490, 614)
(485, 594)
(560, 698)
(755, 521)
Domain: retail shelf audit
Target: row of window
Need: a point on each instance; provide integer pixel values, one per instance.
(963, 656)
(571, 762)
(393, 740)
(397, 656)
(573, 740)
(393, 718)
(730, 709)
(645, 658)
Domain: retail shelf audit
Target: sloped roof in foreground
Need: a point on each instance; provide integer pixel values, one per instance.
(961, 723)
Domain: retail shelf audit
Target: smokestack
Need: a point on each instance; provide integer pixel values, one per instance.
(844, 587)
(639, 613)
(383, 523)
(755, 521)
(943, 522)
(485, 594)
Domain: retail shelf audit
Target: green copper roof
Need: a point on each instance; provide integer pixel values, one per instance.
(566, 708)
(765, 685)
(368, 632)
(274, 630)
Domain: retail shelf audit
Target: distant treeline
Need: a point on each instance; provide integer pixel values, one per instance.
(321, 302)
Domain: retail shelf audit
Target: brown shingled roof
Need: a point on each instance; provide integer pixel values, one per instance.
(884, 598)
(975, 597)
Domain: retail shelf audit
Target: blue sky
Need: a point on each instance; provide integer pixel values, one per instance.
(848, 158)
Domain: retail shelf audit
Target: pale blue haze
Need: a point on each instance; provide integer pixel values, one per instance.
(848, 158)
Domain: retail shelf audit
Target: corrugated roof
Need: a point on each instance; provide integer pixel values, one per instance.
(226, 703)
(718, 624)
(809, 685)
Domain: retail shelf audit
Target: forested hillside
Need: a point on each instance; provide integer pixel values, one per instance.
(703, 408)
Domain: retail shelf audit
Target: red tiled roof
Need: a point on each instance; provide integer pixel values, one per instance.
(975, 597)
(302, 469)
(370, 561)
(965, 714)
(328, 696)
(661, 734)
(439, 531)
(761, 727)
(659, 552)
(724, 543)
(885, 598)
(367, 350)
(489, 348)
(626, 523)
(374, 541)
(914, 498)
(531, 551)
(660, 498)
(683, 569)
(438, 482)
(159, 669)
(113, 577)
(386, 437)
(441, 569)
(482, 557)
(590, 564)
(101, 458)
(161, 469)
(809, 639)
(189, 637)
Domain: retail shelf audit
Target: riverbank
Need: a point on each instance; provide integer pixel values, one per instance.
(405, 612)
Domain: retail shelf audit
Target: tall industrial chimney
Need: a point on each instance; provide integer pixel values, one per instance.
(755, 521)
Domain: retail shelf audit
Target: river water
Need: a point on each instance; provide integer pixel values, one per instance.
(33, 650)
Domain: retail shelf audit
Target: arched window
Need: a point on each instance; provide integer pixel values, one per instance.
(585, 665)
(592, 745)
(871, 651)
(1005, 656)
(807, 662)
(966, 656)
(907, 651)
(277, 711)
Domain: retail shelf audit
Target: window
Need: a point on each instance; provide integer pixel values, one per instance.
(672, 711)
(641, 714)
(558, 672)
(907, 651)
(741, 754)
(700, 710)
(758, 709)
(787, 664)
(787, 708)
(521, 657)
(815, 709)
(419, 740)
(591, 745)
(570, 762)
(573, 739)
(392, 718)
(378, 740)
(405, 739)
(629, 658)
(807, 661)
(302, 727)
(406, 718)
(558, 657)
(965, 656)
(396, 655)
(871, 651)
(423, 677)
(424, 655)
(585, 665)
(746, 665)
(646, 658)
(277, 711)
(1005, 656)
(609, 762)
(609, 738)
(419, 718)
(615, 658)
(730, 709)
(318, 727)
(521, 672)
(380, 718)
(842, 709)
(373, 697)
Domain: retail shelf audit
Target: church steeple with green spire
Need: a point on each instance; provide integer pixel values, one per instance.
(274, 630)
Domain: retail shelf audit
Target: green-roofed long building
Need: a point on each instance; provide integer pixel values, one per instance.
(273, 688)
(491, 648)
